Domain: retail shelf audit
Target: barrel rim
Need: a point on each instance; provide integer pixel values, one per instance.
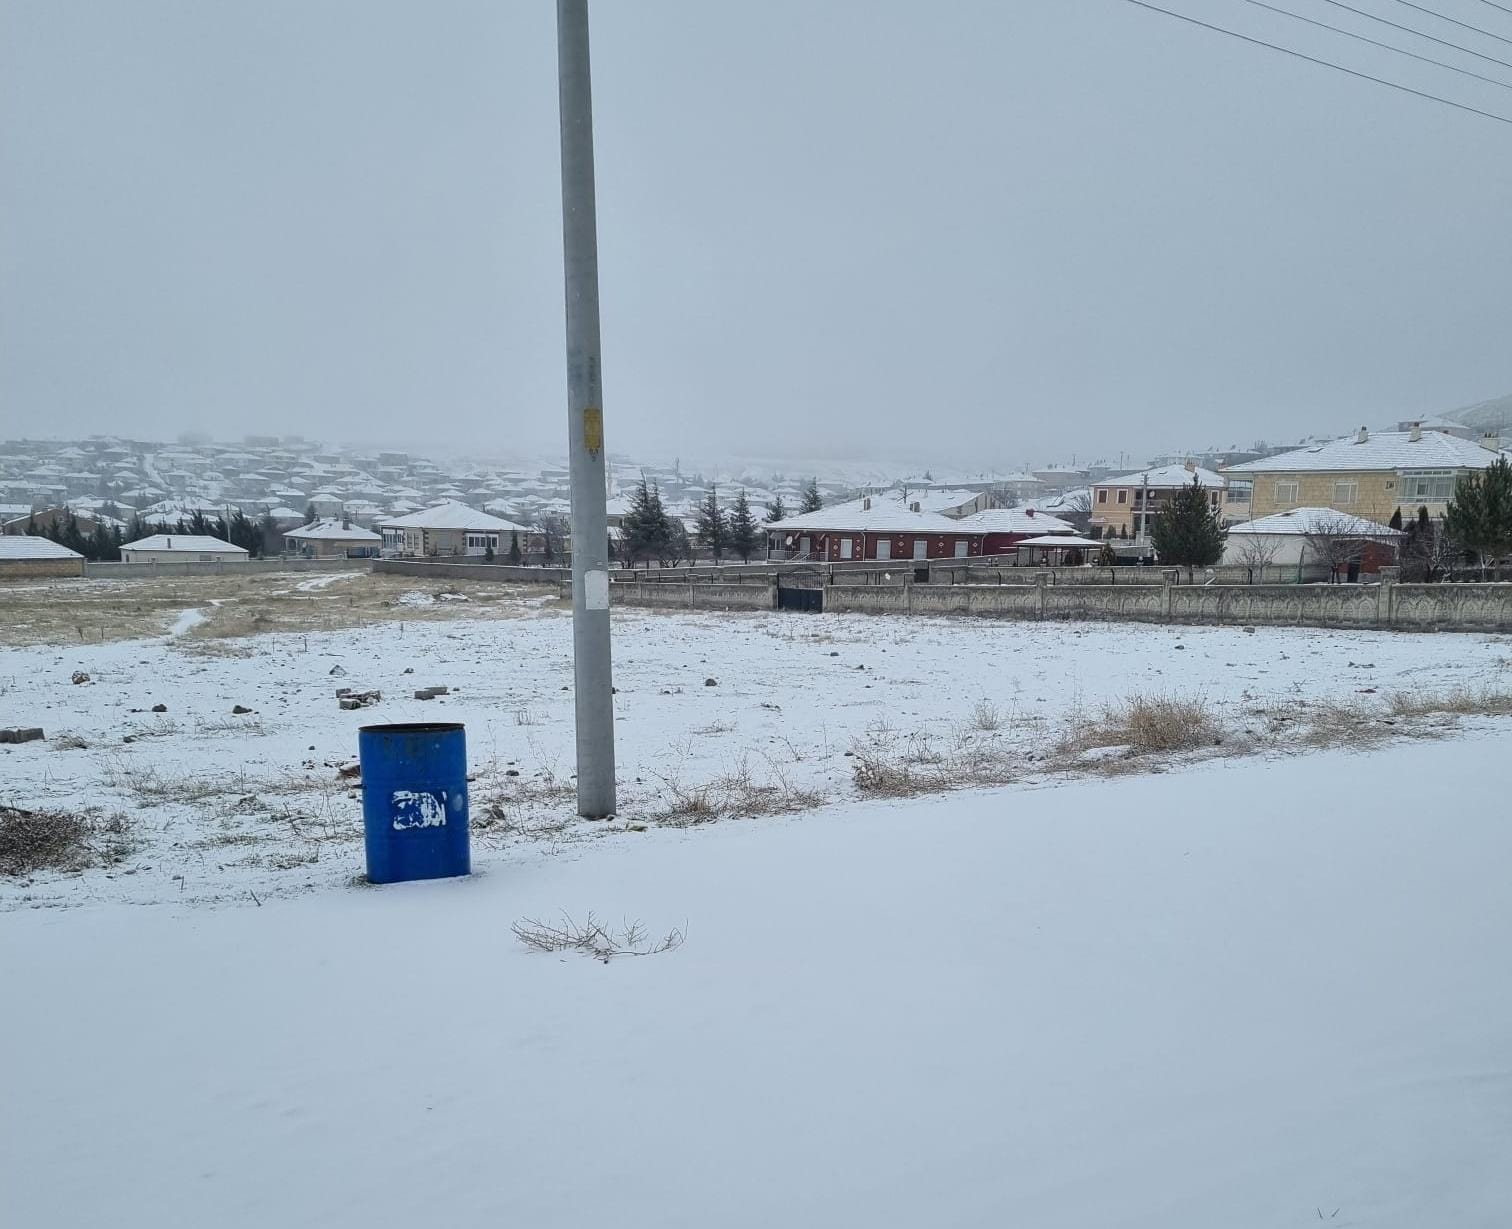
(413, 727)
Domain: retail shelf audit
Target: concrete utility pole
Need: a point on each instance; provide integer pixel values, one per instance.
(585, 422)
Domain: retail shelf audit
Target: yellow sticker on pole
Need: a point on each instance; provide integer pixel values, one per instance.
(593, 429)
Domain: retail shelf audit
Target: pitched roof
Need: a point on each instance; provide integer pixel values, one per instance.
(883, 516)
(1317, 521)
(1014, 520)
(332, 531)
(452, 515)
(185, 543)
(25, 546)
(1168, 476)
(1382, 450)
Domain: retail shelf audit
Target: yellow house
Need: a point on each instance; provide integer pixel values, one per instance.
(1372, 476)
(1125, 507)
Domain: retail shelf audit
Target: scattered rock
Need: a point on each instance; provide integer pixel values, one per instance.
(79, 677)
(635, 827)
(511, 772)
(239, 710)
(1249, 631)
(1180, 646)
(430, 693)
(408, 670)
(22, 734)
(711, 682)
(337, 671)
(834, 653)
(351, 769)
(160, 708)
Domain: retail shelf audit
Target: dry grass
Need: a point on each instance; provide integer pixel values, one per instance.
(595, 938)
(1145, 725)
(739, 793)
(1460, 702)
(239, 606)
(37, 840)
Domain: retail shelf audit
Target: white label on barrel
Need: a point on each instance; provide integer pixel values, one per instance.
(595, 590)
(413, 809)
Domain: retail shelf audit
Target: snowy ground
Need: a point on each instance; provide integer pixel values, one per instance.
(1261, 992)
(228, 807)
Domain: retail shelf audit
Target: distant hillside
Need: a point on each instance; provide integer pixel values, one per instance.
(1494, 415)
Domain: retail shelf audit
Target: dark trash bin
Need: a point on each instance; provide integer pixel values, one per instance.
(414, 801)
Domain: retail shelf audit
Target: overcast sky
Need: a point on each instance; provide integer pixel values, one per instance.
(970, 233)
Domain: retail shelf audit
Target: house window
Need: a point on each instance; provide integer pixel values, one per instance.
(1123, 497)
(1239, 492)
(1346, 492)
(1428, 487)
(846, 547)
(961, 548)
(1286, 491)
(884, 548)
(921, 548)
(1102, 495)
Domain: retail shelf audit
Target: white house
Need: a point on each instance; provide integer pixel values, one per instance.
(1306, 535)
(181, 548)
(26, 555)
(450, 528)
(333, 539)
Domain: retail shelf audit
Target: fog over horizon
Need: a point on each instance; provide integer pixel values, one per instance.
(963, 235)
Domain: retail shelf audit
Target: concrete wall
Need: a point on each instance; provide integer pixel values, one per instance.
(1389, 605)
(14, 569)
(698, 596)
(457, 570)
(242, 567)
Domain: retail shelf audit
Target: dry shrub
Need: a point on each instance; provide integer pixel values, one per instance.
(594, 938)
(1147, 725)
(893, 768)
(32, 841)
(1460, 701)
(736, 794)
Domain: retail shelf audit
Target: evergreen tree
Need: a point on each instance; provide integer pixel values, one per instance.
(267, 529)
(676, 546)
(744, 537)
(1187, 532)
(199, 525)
(72, 536)
(776, 510)
(137, 529)
(1396, 520)
(514, 546)
(645, 530)
(1480, 515)
(309, 514)
(31, 525)
(712, 532)
(100, 544)
(811, 501)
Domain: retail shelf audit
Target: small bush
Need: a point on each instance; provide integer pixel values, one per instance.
(986, 716)
(594, 938)
(32, 841)
(1147, 725)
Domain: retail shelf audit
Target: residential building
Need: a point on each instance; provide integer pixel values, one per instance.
(447, 529)
(873, 527)
(1367, 475)
(181, 548)
(1002, 530)
(1126, 507)
(25, 555)
(333, 539)
(1320, 536)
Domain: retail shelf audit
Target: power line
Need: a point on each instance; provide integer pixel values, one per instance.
(1454, 21)
(1494, 5)
(1455, 68)
(1406, 89)
(1432, 38)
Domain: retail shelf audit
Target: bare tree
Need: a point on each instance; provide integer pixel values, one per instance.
(1076, 509)
(1254, 552)
(1336, 541)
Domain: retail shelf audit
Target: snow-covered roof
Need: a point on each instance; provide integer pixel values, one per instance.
(25, 546)
(883, 516)
(285, 514)
(185, 543)
(1056, 540)
(452, 515)
(1328, 521)
(1168, 476)
(332, 531)
(932, 501)
(1381, 450)
(1013, 520)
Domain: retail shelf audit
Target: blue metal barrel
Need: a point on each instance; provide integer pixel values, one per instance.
(414, 800)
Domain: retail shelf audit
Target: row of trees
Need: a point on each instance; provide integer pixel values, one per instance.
(103, 544)
(649, 532)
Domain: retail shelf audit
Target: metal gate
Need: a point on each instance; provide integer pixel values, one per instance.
(800, 599)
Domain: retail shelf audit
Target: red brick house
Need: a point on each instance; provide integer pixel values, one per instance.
(875, 527)
(1002, 529)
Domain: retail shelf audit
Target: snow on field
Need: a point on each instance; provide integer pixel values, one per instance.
(317, 583)
(224, 805)
(1266, 992)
